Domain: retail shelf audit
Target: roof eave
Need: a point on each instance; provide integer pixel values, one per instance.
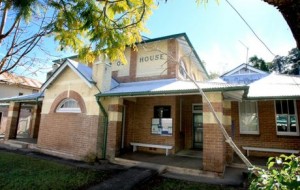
(171, 92)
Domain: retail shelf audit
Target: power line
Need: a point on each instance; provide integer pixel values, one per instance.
(250, 27)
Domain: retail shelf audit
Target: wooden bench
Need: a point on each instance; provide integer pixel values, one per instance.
(248, 148)
(167, 147)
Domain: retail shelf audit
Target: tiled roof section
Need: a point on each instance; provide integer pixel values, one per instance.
(25, 98)
(275, 86)
(166, 86)
(20, 80)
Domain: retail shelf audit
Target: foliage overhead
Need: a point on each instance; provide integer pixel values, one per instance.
(103, 26)
(258, 63)
(22, 26)
(88, 27)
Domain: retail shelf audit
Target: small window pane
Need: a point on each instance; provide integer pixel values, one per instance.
(284, 106)
(282, 123)
(293, 125)
(291, 107)
(162, 111)
(278, 107)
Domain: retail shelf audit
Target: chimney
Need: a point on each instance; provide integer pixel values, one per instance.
(102, 73)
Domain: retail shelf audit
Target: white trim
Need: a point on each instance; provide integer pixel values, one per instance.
(240, 125)
(244, 66)
(58, 72)
(280, 133)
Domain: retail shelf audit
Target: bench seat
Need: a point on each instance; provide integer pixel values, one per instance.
(248, 148)
(167, 147)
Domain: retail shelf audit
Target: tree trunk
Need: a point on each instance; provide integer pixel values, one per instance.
(290, 10)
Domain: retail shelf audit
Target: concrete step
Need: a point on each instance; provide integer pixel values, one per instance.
(15, 144)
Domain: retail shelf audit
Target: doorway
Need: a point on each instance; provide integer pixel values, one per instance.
(197, 126)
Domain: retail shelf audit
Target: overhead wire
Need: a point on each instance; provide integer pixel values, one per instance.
(250, 27)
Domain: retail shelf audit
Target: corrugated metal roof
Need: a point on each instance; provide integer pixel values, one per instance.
(275, 86)
(25, 98)
(166, 86)
(20, 80)
(84, 70)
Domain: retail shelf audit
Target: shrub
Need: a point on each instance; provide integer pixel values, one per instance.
(282, 173)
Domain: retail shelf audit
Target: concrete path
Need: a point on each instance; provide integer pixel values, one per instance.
(232, 177)
(126, 180)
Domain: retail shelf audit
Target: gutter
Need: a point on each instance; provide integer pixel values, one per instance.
(105, 127)
(105, 124)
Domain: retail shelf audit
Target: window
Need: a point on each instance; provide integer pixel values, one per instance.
(286, 117)
(21, 93)
(182, 69)
(162, 111)
(68, 106)
(162, 121)
(248, 117)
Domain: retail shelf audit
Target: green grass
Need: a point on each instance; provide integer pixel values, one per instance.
(161, 183)
(24, 172)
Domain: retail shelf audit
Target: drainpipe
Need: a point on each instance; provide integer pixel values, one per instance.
(105, 126)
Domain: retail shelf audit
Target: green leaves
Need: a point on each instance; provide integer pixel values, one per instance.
(283, 173)
(93, 27)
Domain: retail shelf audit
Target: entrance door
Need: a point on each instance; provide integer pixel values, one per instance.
(197, 126)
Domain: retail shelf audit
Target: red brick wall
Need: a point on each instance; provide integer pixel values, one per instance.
(267, 130)
(71, 133)
(139, 119)
(76, 134)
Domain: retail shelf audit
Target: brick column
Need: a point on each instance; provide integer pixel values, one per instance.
(213, 140)
(227, 124)
(114, 127)
(12, 120)
(35, 121)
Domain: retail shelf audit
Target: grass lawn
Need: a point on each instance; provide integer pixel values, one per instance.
(24, 172)
(161, 183)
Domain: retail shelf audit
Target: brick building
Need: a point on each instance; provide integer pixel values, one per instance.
(151, 105)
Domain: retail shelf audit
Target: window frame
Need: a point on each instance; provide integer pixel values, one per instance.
(288, 133)
(68, 110)
(182, 69)
(240, 120)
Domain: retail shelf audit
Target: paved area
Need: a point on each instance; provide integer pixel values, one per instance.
(126, 180)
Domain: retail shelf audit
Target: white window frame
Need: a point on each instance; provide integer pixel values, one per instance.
(68, 110)
(240, 120)
(280, 133)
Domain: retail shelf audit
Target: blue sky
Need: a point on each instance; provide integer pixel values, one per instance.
(215, 30)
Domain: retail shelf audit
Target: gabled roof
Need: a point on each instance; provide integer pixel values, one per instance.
(244, 66)
(243, 74)
(10, 78)
(167, 86)
(83, 71)
(275, 86)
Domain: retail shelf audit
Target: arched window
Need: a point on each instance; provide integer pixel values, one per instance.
(68, 106)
